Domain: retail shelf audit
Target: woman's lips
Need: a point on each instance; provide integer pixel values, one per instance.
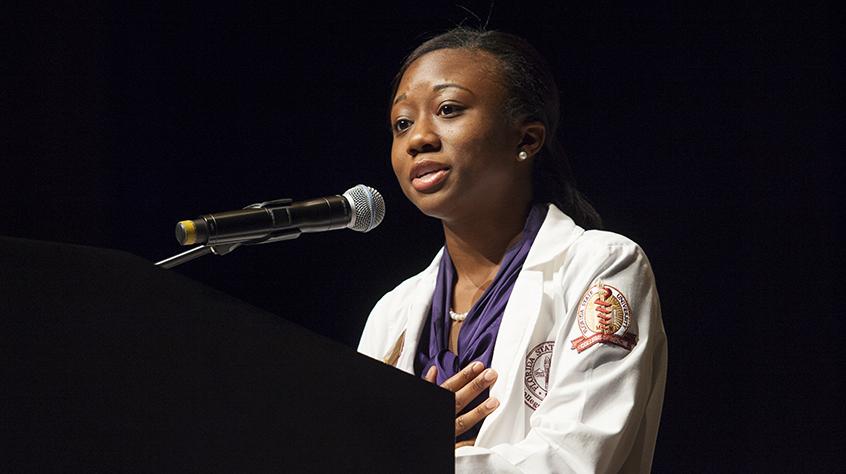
(430, 182)
(427, 176)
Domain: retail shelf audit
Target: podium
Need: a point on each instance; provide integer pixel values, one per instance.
(112, 364)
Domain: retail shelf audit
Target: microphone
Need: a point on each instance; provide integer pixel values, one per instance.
(360, 208)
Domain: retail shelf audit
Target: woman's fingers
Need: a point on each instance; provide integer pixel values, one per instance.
(466, 442)
(467, 374)
(431, 375)
(467, 385)
(470, 391)
(474, 416)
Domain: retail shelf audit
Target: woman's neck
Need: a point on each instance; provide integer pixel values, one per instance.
(477, 244)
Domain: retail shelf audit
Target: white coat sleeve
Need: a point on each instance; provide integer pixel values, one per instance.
(603, 404)
(375, 332)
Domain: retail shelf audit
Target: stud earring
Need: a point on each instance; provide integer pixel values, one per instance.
(522, 156)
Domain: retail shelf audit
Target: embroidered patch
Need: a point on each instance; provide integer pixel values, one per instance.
(536, 374)
(604, 316)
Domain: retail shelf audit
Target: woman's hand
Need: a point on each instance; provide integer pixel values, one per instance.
(467, 385)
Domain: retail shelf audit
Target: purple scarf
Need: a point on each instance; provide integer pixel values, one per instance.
(479, 330)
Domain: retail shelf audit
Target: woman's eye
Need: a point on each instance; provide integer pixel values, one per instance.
(449, 109)
(402, 124)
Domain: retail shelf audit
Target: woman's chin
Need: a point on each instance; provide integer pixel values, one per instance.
(438, 205)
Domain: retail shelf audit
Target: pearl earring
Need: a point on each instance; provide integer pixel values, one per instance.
(522, 156)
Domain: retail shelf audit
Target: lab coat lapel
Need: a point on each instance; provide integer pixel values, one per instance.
(516, 328)
(523, 310)
(524, 304)
(416, 315)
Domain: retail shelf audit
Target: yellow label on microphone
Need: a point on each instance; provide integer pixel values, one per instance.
(189, 231)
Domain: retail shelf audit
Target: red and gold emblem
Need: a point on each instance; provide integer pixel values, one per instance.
(604, 316)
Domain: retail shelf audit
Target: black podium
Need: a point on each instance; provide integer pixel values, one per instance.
(112, 364)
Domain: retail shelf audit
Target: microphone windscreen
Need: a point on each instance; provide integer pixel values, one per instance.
(368, 208)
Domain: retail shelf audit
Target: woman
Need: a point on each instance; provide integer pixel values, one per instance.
(550, 335)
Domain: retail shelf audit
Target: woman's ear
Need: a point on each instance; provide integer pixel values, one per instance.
(533, 136)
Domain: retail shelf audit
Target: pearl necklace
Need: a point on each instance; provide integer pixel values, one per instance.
(459, 317)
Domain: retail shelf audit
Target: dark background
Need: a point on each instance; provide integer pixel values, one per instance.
(706, 134)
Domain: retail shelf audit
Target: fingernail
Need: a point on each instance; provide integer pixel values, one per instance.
(491, 403)
(490, 375)
(477, 366)
(431, 371)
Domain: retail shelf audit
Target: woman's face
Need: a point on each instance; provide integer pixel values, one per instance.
(454, 151)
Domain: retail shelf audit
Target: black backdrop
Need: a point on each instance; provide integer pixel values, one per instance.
(704, 134)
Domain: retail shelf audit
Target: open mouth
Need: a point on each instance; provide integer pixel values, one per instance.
(426, 176)
(427, 168)
(429, 173)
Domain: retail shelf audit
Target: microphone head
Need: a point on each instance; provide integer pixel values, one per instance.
(368, 208)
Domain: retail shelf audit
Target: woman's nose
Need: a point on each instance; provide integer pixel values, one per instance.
(423, 139)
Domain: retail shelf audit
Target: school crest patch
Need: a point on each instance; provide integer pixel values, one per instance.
(604, 316)
(536, 375)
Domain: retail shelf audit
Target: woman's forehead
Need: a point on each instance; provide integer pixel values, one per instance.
(469, 68)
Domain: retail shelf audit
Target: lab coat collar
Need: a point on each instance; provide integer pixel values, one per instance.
(556, 234)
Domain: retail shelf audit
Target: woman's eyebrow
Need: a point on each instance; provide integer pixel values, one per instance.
(436, 88)
(450, 84)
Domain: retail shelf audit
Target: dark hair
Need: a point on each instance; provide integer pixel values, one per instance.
(533, 96)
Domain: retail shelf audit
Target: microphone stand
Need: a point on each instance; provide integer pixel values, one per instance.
(227, 246)
(186, 256)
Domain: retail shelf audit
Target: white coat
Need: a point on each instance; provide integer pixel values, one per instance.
(564, 407)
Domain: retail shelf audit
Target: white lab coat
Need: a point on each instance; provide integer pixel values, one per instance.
(601, 407)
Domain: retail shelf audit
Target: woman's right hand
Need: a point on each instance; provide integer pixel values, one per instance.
(467, 385)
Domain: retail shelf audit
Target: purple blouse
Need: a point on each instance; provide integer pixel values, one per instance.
(478, 332)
